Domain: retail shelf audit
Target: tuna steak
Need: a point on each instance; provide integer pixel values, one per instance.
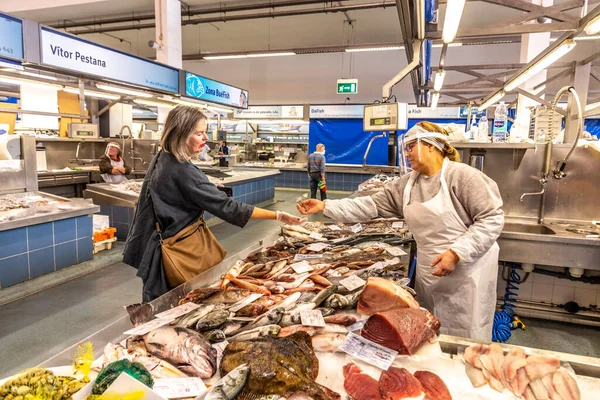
(433, 386)
(403, 329)
(398, 383)
(381, 294)
(360, 386)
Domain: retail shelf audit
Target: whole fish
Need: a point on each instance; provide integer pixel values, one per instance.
(296, 228)
(277, 289)
(197, 295)
(252, 310)
(324, 294)
(319, 280)
(288, 330)
(289, 302)
(227, 296)
(339, 301)
(233, 272)
(302, 289)
(297, 282)
(230, 327)
(326, 311)
(261, 331)
(307, 297)
(290, 319)
(284, 278)
(302, 307)
(271, 318)
(278, 268)
(212, 321)
(190, 319)
(255, 268)
(214, 336)
(246, 267)
(228, 387)
(247, 285)
(185, 349)
(340, 319)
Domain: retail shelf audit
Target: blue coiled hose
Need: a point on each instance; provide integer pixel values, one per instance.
(503, 318)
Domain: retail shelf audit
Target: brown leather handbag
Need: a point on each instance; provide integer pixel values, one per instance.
(190, 252)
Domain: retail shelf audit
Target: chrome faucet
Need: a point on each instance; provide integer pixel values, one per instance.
(132, 153)
(543, 182)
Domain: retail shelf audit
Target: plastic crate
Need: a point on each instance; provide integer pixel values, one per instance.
(105, 234)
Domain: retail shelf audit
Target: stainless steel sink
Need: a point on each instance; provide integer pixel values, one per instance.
(527, 228)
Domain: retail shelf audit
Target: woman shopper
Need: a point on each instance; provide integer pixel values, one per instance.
(454, 213)
(174, 196)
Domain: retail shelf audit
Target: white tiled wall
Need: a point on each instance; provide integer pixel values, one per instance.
(545, 288)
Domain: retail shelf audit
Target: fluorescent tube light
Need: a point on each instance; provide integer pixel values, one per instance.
(449, 45)
(121, 90)
(92, 93)
(454, 11)
(491, 100)
(439, 80)
(153, 103)
(381, 48)
(541, 65)
(26, 82)
(50, 78)
(592, 37)
(593, 26)
(224, 57)
(592, 106)
(188, 103)
(434, 100)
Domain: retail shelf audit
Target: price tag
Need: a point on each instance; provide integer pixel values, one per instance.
(352, 282)
(220, 348)
(178, 388)
(317, 246)
(395, 251)
(301, 267)
(312, 318)
(377, 265)
(178, 311)
(334, 228)
(358, 325)
(367, 351)
(398, 224)
(244, 302)
(356, 228)
(148, 326)
(316, 236)
(300, 257)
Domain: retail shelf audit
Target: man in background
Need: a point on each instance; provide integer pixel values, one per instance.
(224, 153)
(316, 172)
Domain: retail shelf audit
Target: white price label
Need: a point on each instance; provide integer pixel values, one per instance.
(398, 224)
(357, 326)
(220, 348)
(312, 318)
(179, 388)
(377, 265)
(316, 236)
(301, 267)
(317, 246)
(300, 257)
(244, 302)
(367, 351)
(334, 228)
(356, 228)
(148, 326)
(395, 251)
(352, 282)
(178, 311)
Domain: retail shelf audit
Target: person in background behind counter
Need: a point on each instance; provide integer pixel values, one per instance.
(455, 215)
(203, 154)
(112, 165)
(316, 172)
(223, 151)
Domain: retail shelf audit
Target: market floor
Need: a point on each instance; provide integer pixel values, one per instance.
(38, 327)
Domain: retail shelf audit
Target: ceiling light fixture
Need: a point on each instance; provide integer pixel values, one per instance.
(380, 48)
(26, 82)
(593, 26)
(153, 103)
(449, 45)
(48, 77)
(541, 65)
(491, 100)
(92, 93)
(120, 90)
(454, 11)
(439, 80)
(435, 97)
(255, 55)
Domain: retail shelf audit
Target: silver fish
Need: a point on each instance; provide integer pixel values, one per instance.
(185, 349)
(307, 297)
(262, 331)
(303, 306)
(289, 301)
(290, 319)
(339, 301)
(212, 320)
(230, 327)
(270, 318)
(324, 294)
(297, 282)
(214, 336)
(278, 269)
(228, 387)
(190, 319)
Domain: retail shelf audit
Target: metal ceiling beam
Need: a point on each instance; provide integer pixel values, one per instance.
(405, 17)
(245, 17)
(498, 66)
(509, 30)
(556, 77)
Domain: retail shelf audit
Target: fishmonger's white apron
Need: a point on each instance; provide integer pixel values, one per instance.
(465, 300)
(114, 178)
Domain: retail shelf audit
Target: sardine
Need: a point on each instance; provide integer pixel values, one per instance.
(214, 336)
(261, 331)
(191, 318)
(228, 387)
(212, 320)
(233, 272)
(184, 348)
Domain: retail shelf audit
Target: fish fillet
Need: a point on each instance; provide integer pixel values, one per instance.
(473, 354)
(566, 385)
(433, 386)
(515, 359)
(398, 384)
(520, 383)
(539, 390)
(382, 295)
(493, 360)
(360, 386)
(538, 366)
(475, 375)
(550, 387)
(528, 394)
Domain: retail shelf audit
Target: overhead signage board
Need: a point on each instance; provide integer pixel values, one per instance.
(278, 112)
(339, 111)
(68, 52)
(202, 88)
(347, 86)
(11, 37)
(415, 112)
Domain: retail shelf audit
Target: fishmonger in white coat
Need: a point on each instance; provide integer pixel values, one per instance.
(455, 214)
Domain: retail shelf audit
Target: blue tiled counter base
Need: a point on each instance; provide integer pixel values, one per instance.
(36, 250)
(335, 180)
(253, 192)
(120, 218)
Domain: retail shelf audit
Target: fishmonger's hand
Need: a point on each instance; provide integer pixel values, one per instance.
(445, 263)
(310, 206)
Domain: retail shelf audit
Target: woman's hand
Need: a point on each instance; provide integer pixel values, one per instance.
(289, 218)
(310, 206)
(445, 262)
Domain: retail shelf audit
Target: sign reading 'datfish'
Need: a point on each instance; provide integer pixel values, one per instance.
(148, 326)
(352, 282)
(178, 311)
(312, 318)
(202, 88)
(244, 302)
(367, 351)
(179, 388)
(68, 52)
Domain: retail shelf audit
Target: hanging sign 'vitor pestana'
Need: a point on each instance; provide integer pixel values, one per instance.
(71, 53)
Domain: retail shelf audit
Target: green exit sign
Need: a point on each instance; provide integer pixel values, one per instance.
(347, 86)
